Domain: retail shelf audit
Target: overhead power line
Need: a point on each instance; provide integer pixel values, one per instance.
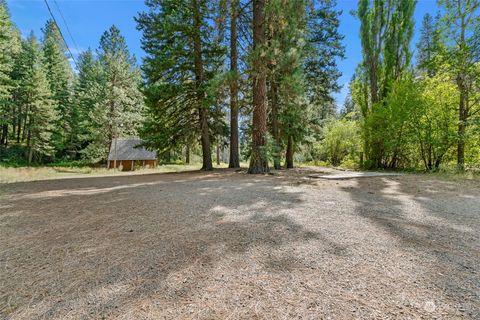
(66, 25)
(61, 34)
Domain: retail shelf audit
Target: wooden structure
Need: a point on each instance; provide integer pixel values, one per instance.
(128, 154)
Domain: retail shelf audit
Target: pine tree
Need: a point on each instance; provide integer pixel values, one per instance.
(87, 97)
(290, 82)
(9, 47)
(258, 157)
(183, 57)
(35, 99)
(112, 87)
(41, 116)
(60, 78)
(324, 46)
(428, 45)
(234, 161)
(350, 108)
(304, 44)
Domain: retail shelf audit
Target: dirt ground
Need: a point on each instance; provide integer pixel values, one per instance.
(227, 245)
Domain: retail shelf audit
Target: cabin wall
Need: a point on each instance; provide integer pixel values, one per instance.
(129, 165)
(151, 163)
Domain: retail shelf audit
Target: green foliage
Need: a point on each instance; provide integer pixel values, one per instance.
(183, 74)
(9, 48)
(60, 78)
(388, 121)
(434, 120)
(323, 48)
(461, 30)
(386, 29)
(51, 113)
(286, 57)
(429, 45)
(415, 122)
(87, 98)
(303, 46)
(110, 95)
(341, 143)
(6, 60)
(13, 156)
(395, 116)
(36, 103)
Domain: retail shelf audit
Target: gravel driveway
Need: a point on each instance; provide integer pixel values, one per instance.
(227, 245)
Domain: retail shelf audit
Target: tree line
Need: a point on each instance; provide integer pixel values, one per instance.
(256, 77)
(212, 67)
(48, 111)
(411, 106)
(422, 113)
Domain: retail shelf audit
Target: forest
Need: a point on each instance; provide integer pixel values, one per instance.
(253, 79)
(274, 176)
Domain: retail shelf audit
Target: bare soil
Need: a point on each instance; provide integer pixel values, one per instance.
(227, 245)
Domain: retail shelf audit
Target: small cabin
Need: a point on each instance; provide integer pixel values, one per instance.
(129, 154)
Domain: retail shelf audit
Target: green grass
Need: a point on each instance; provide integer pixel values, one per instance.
(71, 170)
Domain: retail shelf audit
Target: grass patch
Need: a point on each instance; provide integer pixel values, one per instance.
(72, 170)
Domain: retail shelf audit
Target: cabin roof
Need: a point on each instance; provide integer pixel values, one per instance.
(130, 149)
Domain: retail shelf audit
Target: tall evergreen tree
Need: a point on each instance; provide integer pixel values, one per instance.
(87, 98)
(258, 157)
(60, 78)
(428, 45)
(304, 44)
(35, 99)
(114, 91)
(323, 48)
(9, 46)
(234, 160)
(288, 42)
(180, 68)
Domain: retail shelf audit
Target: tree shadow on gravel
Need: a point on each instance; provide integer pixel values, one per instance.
(438, 222)
(101, 247)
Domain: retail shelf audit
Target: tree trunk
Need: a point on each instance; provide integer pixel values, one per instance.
(4, 134)
(24, 131)
(30, 155)
(289, 155)
(234, 161)
(462, 108)
(218, 154)
(275, 127)
(258, 159)
(187, 154)
(462, 120)
(438, 161)
(29, 143)
(19, 124)
(202, 111)
(14, 122)
(169, 156)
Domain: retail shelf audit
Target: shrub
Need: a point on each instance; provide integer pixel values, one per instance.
(341, 143)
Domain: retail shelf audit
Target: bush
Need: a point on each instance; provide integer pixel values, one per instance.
(13, 156)
(341, 143)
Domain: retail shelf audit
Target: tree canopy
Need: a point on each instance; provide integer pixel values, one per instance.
(252, 81)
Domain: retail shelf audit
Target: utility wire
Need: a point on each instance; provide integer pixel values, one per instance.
(66, 25)
(61, 34)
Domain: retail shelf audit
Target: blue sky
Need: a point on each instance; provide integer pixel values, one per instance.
(88, 19)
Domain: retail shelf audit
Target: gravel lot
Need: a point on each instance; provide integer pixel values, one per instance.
(227, 245)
